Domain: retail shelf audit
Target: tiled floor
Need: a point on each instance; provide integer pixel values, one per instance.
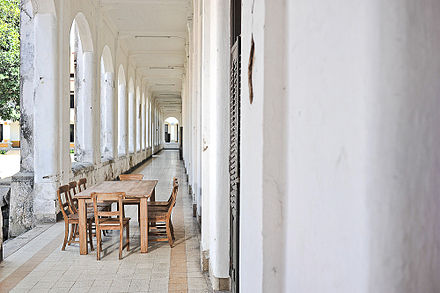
(41, 266)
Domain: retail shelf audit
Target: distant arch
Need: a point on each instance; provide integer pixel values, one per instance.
(171, 129)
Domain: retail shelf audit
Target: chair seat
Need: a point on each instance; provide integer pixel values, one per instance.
(158, 209)
(157, 216)
(112, 221)
(158, 203)
(76, 217)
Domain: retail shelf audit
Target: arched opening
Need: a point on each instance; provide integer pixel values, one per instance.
(171, 131)
(122, 112)
(81, 90)
(107, 79)
(131, 117)
(138, 119)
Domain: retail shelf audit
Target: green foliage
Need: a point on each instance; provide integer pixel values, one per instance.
(9, 59)
(3, 152)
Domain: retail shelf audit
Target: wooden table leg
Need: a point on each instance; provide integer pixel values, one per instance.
(82, 214)
(153, 195)
(153, 198)
(144, 224)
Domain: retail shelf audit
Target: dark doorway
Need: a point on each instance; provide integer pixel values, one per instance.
(1, 132)
(234, 151)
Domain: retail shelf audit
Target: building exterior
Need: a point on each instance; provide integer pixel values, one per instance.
(309, 129)
(9, 134)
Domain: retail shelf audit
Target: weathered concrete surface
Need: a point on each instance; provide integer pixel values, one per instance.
(21, 212)
(5, 194)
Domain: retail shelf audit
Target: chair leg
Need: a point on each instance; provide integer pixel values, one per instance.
(121, 236)
(71, 234)
(75, 232)
(98, 243)
(170, 238)
(90, 236)
(66, 235)
(127, 231)
(139, 214)
(172, 229)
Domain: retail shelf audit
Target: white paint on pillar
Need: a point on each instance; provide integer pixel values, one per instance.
(206, 127)
(143, 121)
(107, 115)
(219, 165)
(122, 112)
(251, 152)
(138, 119)
(131, 117)
(85, 106)
(46, 116)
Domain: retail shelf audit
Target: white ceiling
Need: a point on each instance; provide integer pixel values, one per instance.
(154, 33)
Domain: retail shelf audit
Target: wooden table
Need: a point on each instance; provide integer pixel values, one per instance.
(134, 190)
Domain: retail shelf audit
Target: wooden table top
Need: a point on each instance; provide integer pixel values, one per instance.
(137, 189)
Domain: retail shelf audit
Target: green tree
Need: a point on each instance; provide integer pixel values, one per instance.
(9, 59)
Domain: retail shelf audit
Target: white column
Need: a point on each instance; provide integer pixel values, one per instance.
(131, 117)
(122, 112)
(138, 120)
(219, 164)
(206, 128)
(189, 135)
(85, 109)
(46, 117)
(107, 119)
(143, 122)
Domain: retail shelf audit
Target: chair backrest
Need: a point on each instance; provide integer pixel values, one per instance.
(108, 197)
(131, 177)
(73, 190)
(64, 200)
(172, 201)
(82, 184)
(175, 183)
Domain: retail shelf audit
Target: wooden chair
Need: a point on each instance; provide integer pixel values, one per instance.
(82, 184)
(160, 215)
(164, 203)
(72, 191)
(71, 218)
(132, 177)
(104, 220)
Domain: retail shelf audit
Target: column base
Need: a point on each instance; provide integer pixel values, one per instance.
(204, 261)
(21, 210)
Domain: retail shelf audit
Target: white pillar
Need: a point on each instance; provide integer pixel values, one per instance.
(46, 117)
(131, 120)
(219, 164)
(143, 122)
(206, 129)
(107, 119)
(122, 112)
(85, 109)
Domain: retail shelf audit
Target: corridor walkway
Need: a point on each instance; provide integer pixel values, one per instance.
(41, 266)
